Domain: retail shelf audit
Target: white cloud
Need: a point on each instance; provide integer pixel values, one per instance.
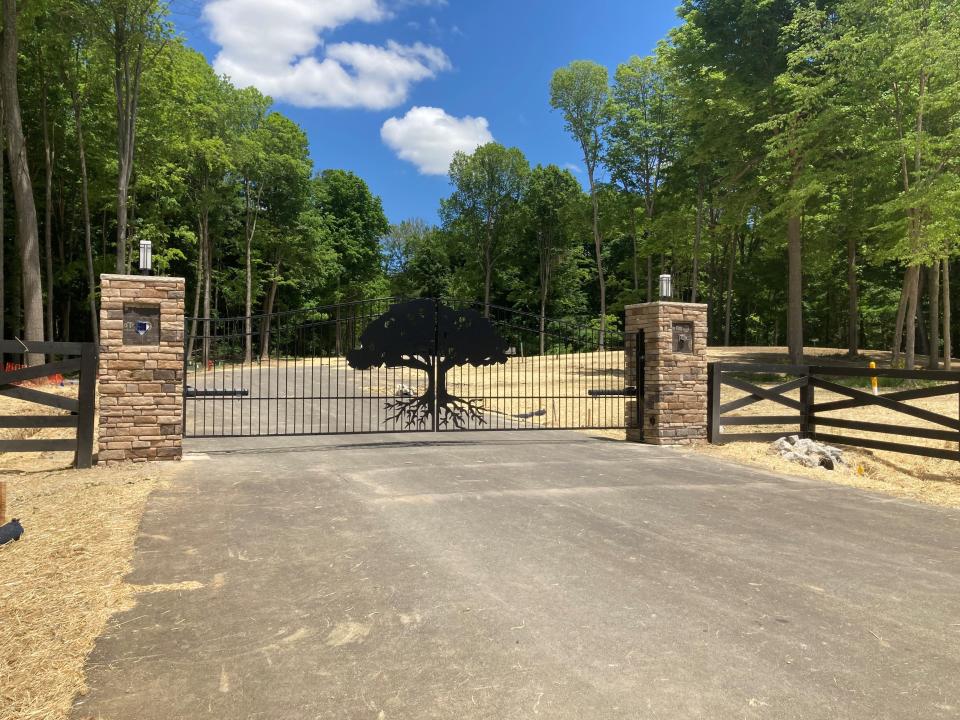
(428, 137)
(573, 167)
(272, 46)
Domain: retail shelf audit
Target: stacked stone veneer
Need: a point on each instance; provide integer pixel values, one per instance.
(675, 384)
(141, 387)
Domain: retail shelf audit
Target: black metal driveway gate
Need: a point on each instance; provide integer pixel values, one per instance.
(390, 365)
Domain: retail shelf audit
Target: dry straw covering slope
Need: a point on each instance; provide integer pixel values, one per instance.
(62, 581)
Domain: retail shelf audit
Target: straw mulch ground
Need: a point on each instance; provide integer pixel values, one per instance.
(62, 581)
(915, 477)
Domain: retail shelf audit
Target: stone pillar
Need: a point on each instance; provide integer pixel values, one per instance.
(141, 368)
(675, 382)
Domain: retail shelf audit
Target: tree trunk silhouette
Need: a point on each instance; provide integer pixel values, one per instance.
(207, 267)
(933, 283)
(649, 278)
(853, 300)
(910, 324)
(695, 272)
(49, 156)
(28, 239)
(3, 195)
(794, 291)
(196, 298)
(947, 345)
(598, 250)
(487, 270)
(128, 47)
(731, 261)
(85, 206)
(267, 312)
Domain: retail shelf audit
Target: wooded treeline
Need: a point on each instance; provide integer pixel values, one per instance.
(115, 132)
(796, 165)
(793, 164)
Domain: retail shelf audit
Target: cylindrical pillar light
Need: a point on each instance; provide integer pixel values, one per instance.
(666, 286)
(146, 257)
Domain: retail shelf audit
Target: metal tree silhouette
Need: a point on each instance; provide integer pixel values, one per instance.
(432, 337)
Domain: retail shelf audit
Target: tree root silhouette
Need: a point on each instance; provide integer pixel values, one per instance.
(417, 413)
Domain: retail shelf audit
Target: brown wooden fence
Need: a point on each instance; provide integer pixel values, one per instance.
(73, 357)
(804, 416)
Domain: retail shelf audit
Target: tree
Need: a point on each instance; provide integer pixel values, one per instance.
(72, 74)
(641, 138)
(254, 169)
(908, 73)
(135, 34)
(355, 221)
(433, 338)
(417, 260)
(487, 185)
(580, 91)
(550, 197)
(28, 238)
(283, 196)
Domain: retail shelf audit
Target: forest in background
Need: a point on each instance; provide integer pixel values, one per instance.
(792, 164)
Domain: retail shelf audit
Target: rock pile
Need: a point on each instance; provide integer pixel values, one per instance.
(808, 452)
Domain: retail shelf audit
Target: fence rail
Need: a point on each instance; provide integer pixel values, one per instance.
(77, 357)
(808, 415)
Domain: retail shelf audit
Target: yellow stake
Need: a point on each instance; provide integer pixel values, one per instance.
(873, 380)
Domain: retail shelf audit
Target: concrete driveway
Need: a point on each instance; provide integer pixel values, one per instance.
(522, 575)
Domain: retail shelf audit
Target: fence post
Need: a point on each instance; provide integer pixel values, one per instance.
(86, 398)
(808, 428)
(714, 375)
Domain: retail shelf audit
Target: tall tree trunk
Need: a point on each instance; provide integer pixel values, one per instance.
(731, 261)
(695, 274)
(207, 268)
(3, 228)
(910, 328)
(127, 71)
(250, 228)
(853, 300)
(545, 266)
(48, 161)
(248, 303)
(28, 238)
(933, 284)
(123, 189)
(487, 270)
(947, 345)
(66, 319)
(649, 278)
(196, 293)
(267, 312)
(794, 291)
(85, 206)
(16, 297)
(598, 250)
(922, 345)
(908, 278)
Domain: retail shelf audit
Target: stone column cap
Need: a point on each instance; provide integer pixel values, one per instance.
(142, 278)
(668, 303)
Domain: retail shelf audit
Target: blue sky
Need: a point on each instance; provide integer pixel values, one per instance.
(388, 88)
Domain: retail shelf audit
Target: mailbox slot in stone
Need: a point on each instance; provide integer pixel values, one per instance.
(141, 324)
(683, 337)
